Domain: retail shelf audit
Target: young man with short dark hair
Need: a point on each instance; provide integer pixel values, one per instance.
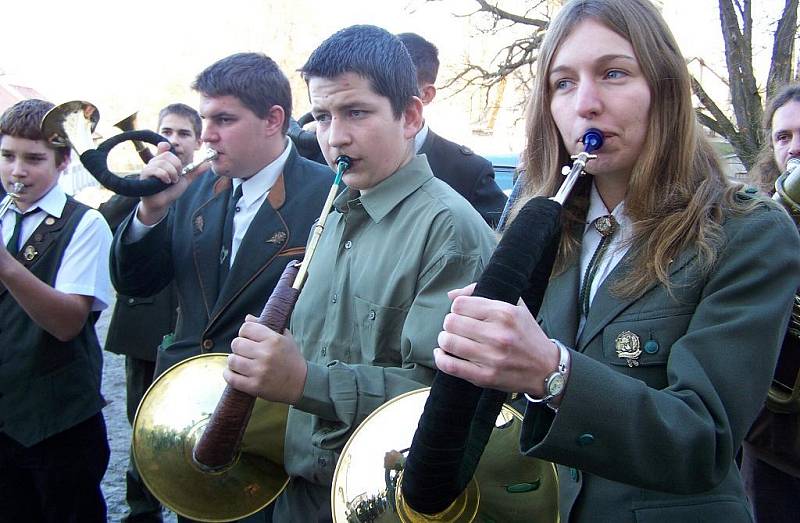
(225, 235)
(471, 175)
(366, 322)
(138, 324)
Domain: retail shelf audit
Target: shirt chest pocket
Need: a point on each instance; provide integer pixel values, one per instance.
(641, 346)
(378, 330)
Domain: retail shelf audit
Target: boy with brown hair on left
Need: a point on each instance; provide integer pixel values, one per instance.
(55, 280)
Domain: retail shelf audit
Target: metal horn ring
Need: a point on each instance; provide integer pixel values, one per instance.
(96, 162)
(72, 123)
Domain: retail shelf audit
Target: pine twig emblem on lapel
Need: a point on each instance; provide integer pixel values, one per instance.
(278, 237)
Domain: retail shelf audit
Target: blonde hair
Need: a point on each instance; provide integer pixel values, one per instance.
(677, 191)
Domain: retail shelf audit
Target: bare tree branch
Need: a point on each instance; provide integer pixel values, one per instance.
(505, 15)
(707, 121)
(780, 70)
(720, 122)
(745, 97)
(742, 129)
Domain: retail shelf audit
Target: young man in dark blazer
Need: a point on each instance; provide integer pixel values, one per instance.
(471, 175)
(138, 324)
(266, 194)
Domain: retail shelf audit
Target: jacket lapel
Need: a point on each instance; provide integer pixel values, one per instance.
(561, 312)
(606, 307)
(263, 241)
(207, 224)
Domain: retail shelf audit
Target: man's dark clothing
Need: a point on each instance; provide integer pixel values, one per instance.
(469, 174)
(56, 480)
(185, 247)
(771, 450)
(138, 324)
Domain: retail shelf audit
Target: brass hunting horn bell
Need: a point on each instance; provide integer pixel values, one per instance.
(506, 486)
(174, 414)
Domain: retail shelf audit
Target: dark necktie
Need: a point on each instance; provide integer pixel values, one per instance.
(13, 242)
(606, 226)
(227, 236)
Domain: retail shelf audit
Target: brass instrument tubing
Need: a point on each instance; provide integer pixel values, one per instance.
(572, 177)
(341, 166)
(208, 155)
(789, 201)
(592, 140)
(11, 197)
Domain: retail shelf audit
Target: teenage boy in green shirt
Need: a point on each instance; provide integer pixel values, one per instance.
(366, 323)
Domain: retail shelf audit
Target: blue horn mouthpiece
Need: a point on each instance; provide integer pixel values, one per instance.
(592, 140)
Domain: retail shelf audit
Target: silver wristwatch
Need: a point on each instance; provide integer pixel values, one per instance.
(555, 382)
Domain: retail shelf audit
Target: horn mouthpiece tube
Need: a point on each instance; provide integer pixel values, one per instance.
(592, 141)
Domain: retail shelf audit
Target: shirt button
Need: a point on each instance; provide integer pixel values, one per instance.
(371, 315)
(585, 439)
(348, 244)
(131, 300)
(335, 297)
(324, 350)
(208, 344)
(322, 462)
(651, 347)
(573, 473)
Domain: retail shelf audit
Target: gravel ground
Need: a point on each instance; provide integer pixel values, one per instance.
(119, 432)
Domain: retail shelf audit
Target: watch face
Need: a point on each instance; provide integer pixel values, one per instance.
(555, 384)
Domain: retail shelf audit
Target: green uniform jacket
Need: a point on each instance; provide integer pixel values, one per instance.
(138, 324)
(185, 247)
(656, 442)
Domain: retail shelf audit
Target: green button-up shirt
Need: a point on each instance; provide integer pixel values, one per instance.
(373, 305)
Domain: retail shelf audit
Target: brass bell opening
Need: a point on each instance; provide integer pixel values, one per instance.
(507, 486)
(170, 420)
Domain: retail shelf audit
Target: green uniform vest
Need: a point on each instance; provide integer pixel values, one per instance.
(46, 385)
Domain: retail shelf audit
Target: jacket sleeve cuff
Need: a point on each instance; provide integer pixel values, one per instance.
(316, 393)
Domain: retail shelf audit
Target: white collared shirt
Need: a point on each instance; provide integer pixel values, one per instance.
(254, 191)
(84, 267)
(419, 139)
(617, 247)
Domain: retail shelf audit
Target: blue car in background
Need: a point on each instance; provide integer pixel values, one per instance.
(505, 167)
(505, 174)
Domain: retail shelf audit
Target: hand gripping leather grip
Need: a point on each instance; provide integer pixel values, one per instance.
(219, 445)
